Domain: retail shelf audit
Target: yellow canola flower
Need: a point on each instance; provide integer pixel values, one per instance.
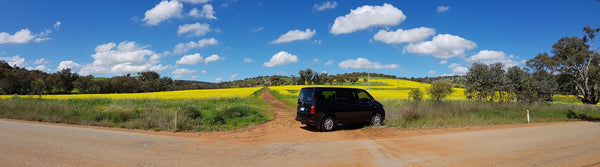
(168, 95)
(395, 89)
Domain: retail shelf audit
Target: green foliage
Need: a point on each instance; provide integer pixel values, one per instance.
(459, 113)
(416, 95)
(577, 65)
(439, 90)
(192, 115)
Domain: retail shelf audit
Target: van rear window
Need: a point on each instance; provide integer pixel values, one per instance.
(306, 95)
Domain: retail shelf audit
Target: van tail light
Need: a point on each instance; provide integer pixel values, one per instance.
(312, 109)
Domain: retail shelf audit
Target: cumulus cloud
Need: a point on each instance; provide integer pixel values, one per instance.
(444, 62)
(42, 68)
(126, 57)
(404, 36)
(195, 29)
(248, 60)
(41, 61)
(14, 61)
(233, 76)
(442, 46)
(367, 16)
(326, 5)
(294, 35)
(218, 79)
(184, 47)
(207, 12)
(441, 9)
(330, 62)
(460, 70)
(195, 1)
(362, 63)
(24, 36)
(491, 57)
(190, 59)
(183, 71)
(67, 64)
(281, 58)
(163, 11)
(213, 58)
(431, 73)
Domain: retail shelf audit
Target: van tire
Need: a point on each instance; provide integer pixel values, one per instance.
(376, 120)
(328, 124)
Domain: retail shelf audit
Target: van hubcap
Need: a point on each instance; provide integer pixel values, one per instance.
(328, 124)
(376, 121)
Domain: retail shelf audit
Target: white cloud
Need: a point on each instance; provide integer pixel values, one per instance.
(257, 29)
(126, 57)
(362, 63)
(453, 65)
(444, 62)
(367, 16)
(42, 68)
(232, 77)
(459, 70)
(431, 73)
(184, 47)
(326, 5)
(441, 9)
(294, 35)
(330, 62)
(281, 58)
(190, 59)
(195, 29)
(317, 42)
(14, 61)
(163, 11)
(316, 60)
(67, 64)
(183, 71)
(404, 36)
(213, 58)
(248, 60)
(20, 37)
(203, 72)
(442, 46)
(41, 61)
(218, 79)
(56, 25)
(491, 57)
(195, 1)
(24, 36)
(207, 12)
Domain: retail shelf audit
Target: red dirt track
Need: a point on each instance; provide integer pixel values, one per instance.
(285, 142)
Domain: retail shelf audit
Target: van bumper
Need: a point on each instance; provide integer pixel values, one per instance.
(306, 121)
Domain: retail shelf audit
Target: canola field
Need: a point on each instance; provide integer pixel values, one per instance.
(168, 95)
(395, 89)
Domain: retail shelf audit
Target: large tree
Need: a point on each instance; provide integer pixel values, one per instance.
(577, 64)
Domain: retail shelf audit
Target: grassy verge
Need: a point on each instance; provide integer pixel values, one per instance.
(173, 115)
(287, 99)
(404, 114)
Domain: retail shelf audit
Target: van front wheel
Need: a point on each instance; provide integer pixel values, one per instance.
(327, 124)
(376, 120)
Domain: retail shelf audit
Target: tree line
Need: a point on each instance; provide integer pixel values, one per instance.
(573, 69)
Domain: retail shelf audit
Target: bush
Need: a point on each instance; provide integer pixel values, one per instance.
(439, 90)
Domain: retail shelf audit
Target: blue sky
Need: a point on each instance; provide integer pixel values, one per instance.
(223, 40)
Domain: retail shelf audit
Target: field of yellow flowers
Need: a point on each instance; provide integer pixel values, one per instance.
(395, 89)
(169, 95)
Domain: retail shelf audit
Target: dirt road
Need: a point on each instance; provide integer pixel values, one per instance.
(284, 142)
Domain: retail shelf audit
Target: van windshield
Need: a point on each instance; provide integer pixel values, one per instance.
(306, 96)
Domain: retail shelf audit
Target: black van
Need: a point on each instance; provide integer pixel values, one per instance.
(326, 107)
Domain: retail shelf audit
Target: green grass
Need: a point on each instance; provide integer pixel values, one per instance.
(287, 99)
(152, 114)
(405, 114)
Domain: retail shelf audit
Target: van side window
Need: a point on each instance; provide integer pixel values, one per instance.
(344, 96)
(327, 96)
(363, 97)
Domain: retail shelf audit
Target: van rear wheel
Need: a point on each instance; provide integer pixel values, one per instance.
(376, 120)
(327, 124)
